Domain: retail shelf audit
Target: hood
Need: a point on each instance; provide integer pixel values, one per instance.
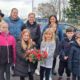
(14, 20)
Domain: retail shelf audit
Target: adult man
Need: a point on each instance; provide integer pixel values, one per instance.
(15, 23)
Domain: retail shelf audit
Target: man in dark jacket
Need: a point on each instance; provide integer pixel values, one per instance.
(64, 53)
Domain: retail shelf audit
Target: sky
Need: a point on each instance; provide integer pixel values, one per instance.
(24, 6)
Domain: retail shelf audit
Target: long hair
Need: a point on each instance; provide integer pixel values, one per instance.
(27, 44)
(49, 30)
(54, 17)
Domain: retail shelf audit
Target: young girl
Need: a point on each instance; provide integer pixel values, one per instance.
(7, 51)
(23, 67)
(48, 44)
(75, 59)
(54, 29)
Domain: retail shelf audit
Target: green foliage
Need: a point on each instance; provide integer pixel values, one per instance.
(73, 11)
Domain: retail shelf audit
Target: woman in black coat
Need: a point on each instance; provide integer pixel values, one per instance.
(23, 67)
(75, 59)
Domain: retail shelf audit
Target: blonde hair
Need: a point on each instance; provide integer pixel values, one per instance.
(49, 30)
(23, 43)
(4, 24)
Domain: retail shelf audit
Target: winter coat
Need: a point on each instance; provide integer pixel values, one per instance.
(7, 48)
(50, 48)
(65, 47)
(14, 26)
(22, 66)
(35, 33)
(74, 61)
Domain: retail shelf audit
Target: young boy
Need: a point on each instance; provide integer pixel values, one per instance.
(75, 58)
(64, 53)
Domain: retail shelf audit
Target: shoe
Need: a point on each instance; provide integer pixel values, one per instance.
(54, 73)
(37, 72)
(68, 78)
(60, 78)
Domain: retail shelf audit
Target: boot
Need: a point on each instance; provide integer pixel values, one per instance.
(60, 78)
(68, 78)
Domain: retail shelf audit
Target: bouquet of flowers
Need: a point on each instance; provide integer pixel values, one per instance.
(34, 55)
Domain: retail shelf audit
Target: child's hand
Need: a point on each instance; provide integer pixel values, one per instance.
(66, 57)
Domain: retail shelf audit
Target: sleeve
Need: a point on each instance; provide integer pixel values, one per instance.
(6, 19)
(70, 59)
(14, 50)
(57, 49)
(19, 51)
(38, 42)
(61, 49)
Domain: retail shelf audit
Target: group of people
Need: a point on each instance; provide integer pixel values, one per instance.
(17, 37)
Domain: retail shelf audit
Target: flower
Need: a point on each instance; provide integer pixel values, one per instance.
(34, 55)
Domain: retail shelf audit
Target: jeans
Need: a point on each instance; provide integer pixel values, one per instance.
(44, 72)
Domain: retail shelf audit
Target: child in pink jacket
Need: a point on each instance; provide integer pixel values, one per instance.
(7, 51)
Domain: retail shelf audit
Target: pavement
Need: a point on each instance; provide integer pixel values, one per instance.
(36, 77)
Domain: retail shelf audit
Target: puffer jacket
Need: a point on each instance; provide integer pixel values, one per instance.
(74, 59)
(22, 66)
(14, 26)
(35, 33)
(7, 48)
(65, 47)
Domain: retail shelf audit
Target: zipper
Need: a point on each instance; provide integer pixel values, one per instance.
(7, 49)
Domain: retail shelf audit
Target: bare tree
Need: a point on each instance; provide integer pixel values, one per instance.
(46, 9)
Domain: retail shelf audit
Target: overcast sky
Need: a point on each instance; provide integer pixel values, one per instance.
(24, 6)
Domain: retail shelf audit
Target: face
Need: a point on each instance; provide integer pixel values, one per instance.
(14, 14)
(78, 40)
(31, 19)
(54, 28)
(26, 36)
(69, 34)
(4, 28)
(48, 36)
(52, 20)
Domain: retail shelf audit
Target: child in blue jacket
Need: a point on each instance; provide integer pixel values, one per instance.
(65, 47)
